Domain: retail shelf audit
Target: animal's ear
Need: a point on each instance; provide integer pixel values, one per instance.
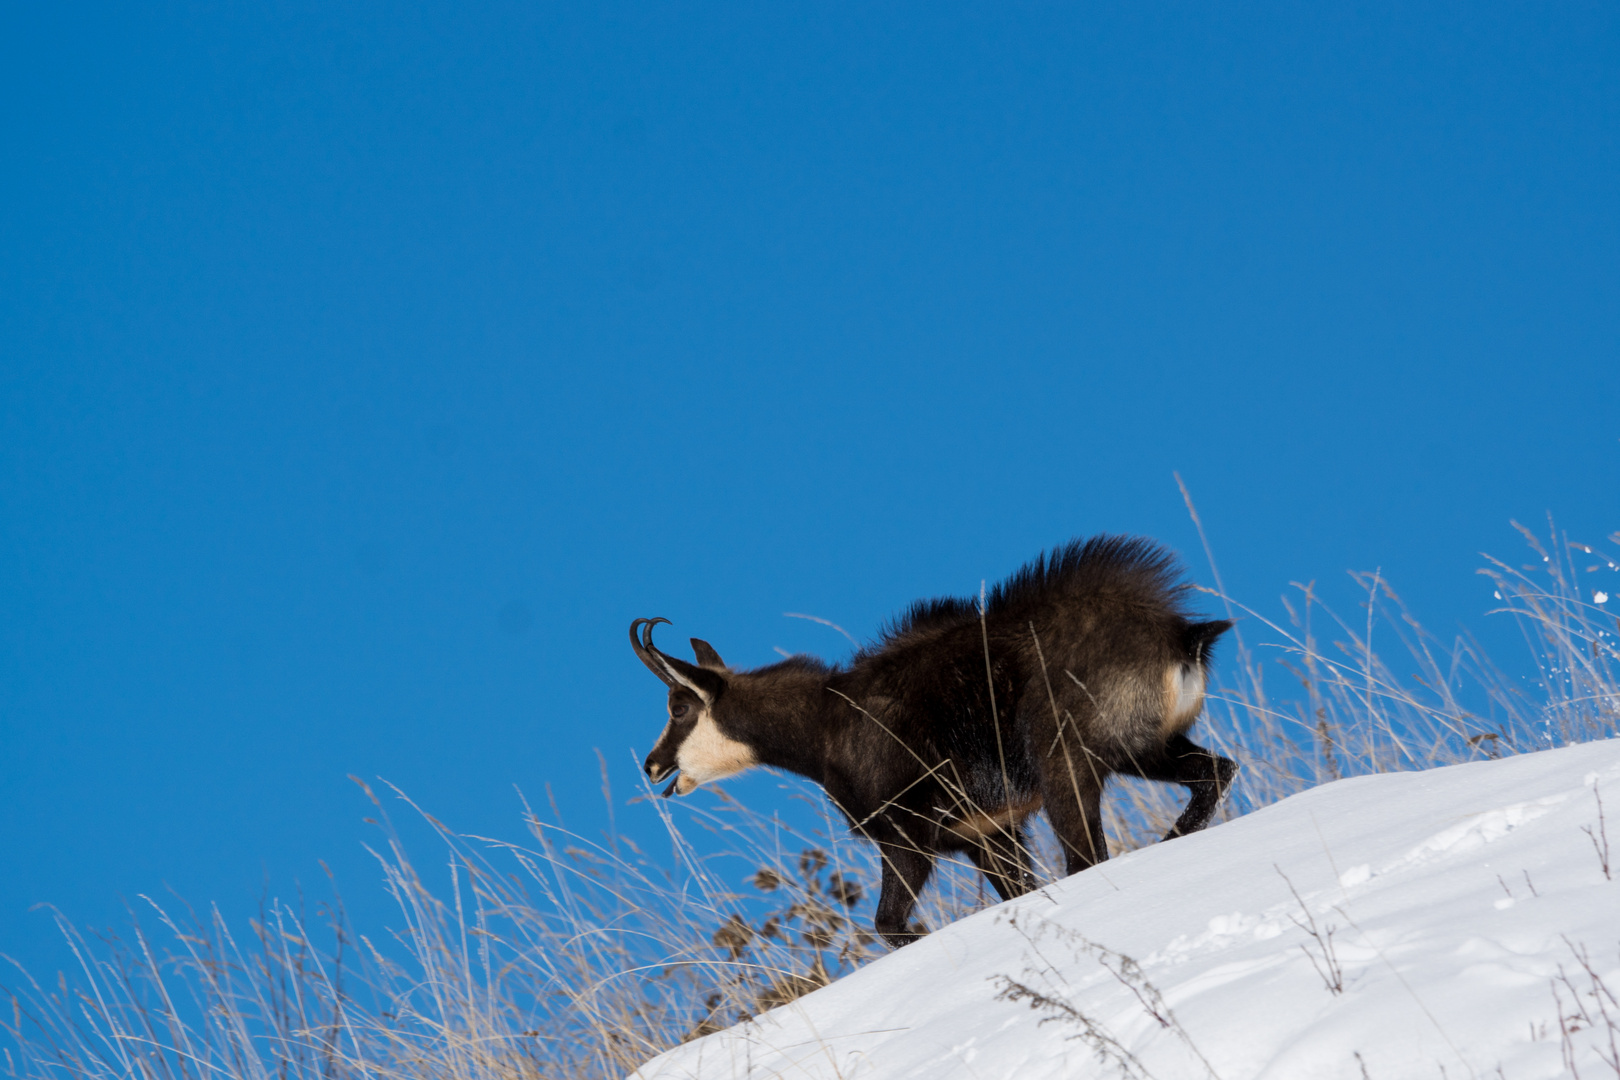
(706, 656)
(703, 682)
(1199, 637)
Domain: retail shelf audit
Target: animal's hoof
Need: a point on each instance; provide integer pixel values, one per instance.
(897, 938)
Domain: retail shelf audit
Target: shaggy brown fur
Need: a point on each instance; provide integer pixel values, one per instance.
(957, 724)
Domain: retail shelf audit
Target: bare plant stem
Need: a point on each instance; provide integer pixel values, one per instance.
(1328, 966)
(1600, 837)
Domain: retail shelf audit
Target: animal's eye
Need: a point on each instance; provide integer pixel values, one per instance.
(678, 711)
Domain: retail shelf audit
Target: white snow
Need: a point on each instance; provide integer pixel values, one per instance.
(1454, 898)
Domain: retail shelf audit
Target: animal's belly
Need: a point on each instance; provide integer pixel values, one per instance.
(979, 823)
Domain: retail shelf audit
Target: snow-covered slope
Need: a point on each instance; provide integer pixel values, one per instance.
(1455, 898)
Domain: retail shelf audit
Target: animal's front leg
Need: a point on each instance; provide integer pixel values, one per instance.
(905, 872)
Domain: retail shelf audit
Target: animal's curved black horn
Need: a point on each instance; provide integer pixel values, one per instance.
(643, 644)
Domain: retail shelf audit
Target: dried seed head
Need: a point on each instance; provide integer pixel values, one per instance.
(733, 936)
(811, 860)
(843, 890)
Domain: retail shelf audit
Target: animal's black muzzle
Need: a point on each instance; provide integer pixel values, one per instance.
(660, 764)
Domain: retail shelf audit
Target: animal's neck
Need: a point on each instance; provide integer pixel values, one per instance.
(793, 725)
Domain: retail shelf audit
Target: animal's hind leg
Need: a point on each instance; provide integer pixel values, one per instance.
(1071, 782)
(1073, 800)
(1003, 857)
(1203, 772)
(905, 872)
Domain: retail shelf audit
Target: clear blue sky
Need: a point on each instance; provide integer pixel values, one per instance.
(364, 369)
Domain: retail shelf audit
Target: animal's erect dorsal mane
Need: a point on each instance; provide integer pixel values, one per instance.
(922, 619)
(1139, 565)
(1113, 562)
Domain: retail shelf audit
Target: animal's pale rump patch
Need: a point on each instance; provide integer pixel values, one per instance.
(1183, 697)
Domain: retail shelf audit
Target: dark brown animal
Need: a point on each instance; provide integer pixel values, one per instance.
(960, 722)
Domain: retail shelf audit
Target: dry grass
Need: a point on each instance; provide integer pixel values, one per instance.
(578, 958)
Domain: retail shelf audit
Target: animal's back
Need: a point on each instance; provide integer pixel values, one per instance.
(1094, 627)
(1114, 594)
(1098, 617)
(1103, 623)
(1117, 577)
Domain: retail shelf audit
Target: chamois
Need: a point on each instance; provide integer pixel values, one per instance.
(961, 721)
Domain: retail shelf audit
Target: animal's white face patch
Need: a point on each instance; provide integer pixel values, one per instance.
(707, 754)
(1183, 696)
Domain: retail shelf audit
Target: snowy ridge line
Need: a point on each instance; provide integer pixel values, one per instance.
(1464, 914)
